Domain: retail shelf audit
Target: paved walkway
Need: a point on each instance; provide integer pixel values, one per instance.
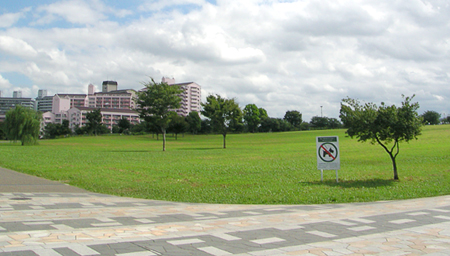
(70, 223)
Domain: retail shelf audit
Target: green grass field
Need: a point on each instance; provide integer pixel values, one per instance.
(264, 168)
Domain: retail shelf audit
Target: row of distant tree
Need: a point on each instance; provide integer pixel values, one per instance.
(253, 119)
(222, 116)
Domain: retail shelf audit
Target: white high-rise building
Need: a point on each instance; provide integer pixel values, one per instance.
(190, 97)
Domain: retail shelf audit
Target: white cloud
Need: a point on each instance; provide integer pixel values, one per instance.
(279, 55)
(158, 5)
(9, 19)
(73, 11)
(4, 84)
(17, 47)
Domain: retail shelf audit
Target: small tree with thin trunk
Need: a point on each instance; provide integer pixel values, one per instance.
(155, 102)
(223, 113)
(252, 117)
(385, 125)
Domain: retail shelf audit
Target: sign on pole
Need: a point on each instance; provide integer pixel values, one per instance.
(328, 155)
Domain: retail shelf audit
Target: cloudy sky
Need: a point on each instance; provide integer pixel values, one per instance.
(278, 54)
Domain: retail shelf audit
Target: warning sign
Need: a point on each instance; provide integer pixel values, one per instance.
(328, 153)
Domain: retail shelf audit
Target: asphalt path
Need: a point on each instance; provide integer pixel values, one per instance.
(12, 181)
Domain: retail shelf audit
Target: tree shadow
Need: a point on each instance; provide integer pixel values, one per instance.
(130, 151)
(371, 183)
(198, 148)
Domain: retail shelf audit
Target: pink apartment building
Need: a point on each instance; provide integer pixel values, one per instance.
(114, 104)
(110, 116)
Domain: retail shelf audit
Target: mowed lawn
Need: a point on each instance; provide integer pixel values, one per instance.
(263, 168)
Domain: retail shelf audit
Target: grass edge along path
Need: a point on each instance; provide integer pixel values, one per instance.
(263, 168)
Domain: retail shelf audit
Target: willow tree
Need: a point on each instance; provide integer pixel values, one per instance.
(155, 103)
(384, 125)
(22, 124)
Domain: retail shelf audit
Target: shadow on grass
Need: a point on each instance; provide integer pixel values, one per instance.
(198, 148)
(130, 151)
(373, 183)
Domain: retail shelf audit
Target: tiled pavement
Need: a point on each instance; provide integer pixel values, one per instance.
(95, 224)
(48, 218)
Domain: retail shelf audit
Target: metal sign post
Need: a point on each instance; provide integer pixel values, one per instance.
(328, 156)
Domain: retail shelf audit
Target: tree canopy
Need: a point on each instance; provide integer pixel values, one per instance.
(194, 121)
(22, 124)
(385, 125)
(293, 117)
(252, 117)
(52, 130)
(431, 117)
(223, 113)
(177, 124)
(94, 121)
(155, 103)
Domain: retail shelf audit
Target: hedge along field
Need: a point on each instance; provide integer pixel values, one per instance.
(263, 168)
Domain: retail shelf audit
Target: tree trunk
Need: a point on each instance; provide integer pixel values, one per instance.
(391, 155)
(224, 140)
(164, 139)
(394, 165)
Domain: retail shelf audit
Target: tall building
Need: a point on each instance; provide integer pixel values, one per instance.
(42, 93)
(190, 97)
(17, 94)
(108, 86)
(44, 103)
(91, 89)
(7, 103)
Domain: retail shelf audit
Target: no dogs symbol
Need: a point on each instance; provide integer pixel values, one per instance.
(328, 152)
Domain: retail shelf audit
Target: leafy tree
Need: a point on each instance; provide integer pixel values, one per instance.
(304, 126)
(123, 124)
(22, 124)
(263, 113)
(155, 102)
(252, 117)
(334, 123)
(65, 129)
(319, 122)
(446, 120)
(52, 130)
(431, 117)
(223, 113)
(270, 125)
(80, 130)
(385, 125)
(194, 121)
(94, 122)
(205, 126)
(140, 128)
(2, 133)
(115, 129)
(275, 125)
(177, 125)
(293, 117)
